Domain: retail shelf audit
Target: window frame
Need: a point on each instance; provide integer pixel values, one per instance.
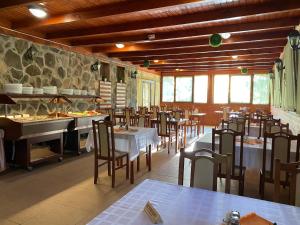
(210, 89)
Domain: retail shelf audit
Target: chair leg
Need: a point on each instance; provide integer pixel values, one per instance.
(132, 172)
(96, 173)
(127, 167)
(262, 187)
(170, 140)
(113, 175)
(109, 168)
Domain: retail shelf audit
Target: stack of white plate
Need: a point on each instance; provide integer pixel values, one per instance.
(27, 90)
(66, 91)
(92, 92)
(52, 90)
(84, 92)
(77, 92)
(13, 88)
(38, 91)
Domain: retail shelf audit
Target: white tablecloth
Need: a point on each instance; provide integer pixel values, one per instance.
(180, 205)
(2, 153)
(252, 154)
(130, 141)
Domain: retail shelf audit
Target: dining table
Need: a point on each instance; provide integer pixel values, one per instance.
(180, 205)
(252, 150)
(132, 141)
(177, 124)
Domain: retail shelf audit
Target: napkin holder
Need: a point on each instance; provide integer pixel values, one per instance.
(152, 213)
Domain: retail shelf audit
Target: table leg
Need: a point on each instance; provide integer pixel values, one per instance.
(131, 172)
(184, 142)
(176, 139)
(149, 158)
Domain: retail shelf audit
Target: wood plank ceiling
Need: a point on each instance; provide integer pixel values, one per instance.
(258, 29)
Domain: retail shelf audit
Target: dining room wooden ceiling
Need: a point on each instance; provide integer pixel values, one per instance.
(258, 29)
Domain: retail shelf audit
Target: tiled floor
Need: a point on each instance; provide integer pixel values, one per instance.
(64, 193)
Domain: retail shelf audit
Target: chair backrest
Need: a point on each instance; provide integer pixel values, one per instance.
(280, 149)
(128, 113)
(178, 114)
(163, 125)
(187, 114)
(103, 134)
(141, 121)
(204, 168)
(293, 171)
(236, 124)
(111, 114)
(143, 110)
(155, 110)
(227, 145)
(269, 123)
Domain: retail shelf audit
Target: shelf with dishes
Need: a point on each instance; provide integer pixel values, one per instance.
(20, 91)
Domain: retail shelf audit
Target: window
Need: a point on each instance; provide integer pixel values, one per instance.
(261, 89)
(200, 89)
(168, 89)
(184, 89)
(240, 89)
(221, 88)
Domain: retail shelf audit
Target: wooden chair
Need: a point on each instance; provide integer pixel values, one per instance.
(204, 168)
(128, 112)
(280, 149)
(141, 121)
(155, 111)
(104, 148)
(143, 110)
(236, 124)
(164, 128)
(178, 114)
(292, 170)
(265, 121)
(111, 113)
(190, 123)
(227, 145)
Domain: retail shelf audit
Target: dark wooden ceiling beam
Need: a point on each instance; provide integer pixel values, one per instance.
(235, 38)
(190, 50)
(239, 63)
(214, 68)
(192, 18)
(214, 65)
(251, 57)
(14, 3)
(250, 26)
(268, 50)
(108, 10)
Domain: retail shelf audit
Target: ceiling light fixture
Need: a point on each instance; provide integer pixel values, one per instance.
(177, 69)
(239, 67)
(225, 35)
(120, 45)
(37, 11)
(156, 60)
(234, 56)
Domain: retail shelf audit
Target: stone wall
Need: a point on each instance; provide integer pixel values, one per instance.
(53, 66)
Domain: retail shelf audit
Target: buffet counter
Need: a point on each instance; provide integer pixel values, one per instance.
(32, 139)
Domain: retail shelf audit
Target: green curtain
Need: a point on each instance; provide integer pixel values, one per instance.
(277, 89)
(288, 81)
(298, 86)
(271, 86)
